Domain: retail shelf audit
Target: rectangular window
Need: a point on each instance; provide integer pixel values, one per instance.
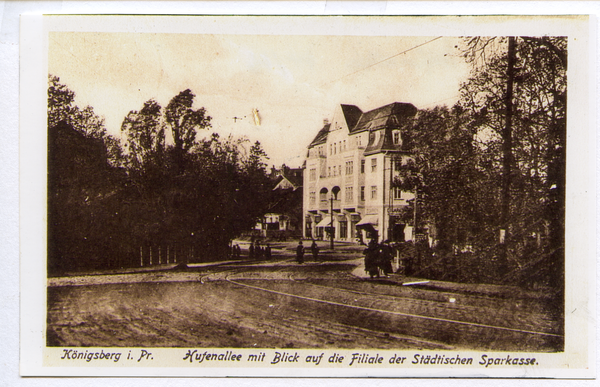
(362, 193)
(344, 229)
(396, 135)
(328, 171)
(344, 144)
(373, 165)
(349, 194)
(312, 197)
(362, 166)
(397, 193)
(349, 167)
(313, 174)
(373, 192)
(358, 141)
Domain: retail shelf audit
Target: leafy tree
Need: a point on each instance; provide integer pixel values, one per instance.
(61, 108)
(60, 102)
(145, 131)
(539, 129)
(106, 205)
(442, 173)
(184, 120)
(537, 112)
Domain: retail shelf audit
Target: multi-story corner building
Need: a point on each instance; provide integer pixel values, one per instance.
(349, 170)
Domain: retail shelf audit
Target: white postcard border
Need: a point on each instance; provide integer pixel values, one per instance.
(580, 193)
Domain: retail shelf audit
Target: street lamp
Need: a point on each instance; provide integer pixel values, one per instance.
(331, 222)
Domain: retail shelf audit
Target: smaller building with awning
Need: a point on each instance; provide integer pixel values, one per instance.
(326, 222)
(368, 220)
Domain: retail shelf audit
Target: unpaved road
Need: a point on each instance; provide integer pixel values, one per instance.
(284, 305)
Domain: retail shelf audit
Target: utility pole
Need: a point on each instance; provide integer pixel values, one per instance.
(415, 216)
(507, 149)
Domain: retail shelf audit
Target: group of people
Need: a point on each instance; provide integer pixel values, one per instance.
(256, 251)
(236, 251)
(378, 258)
(314, 249)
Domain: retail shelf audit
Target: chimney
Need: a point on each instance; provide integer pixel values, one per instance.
(325, 121)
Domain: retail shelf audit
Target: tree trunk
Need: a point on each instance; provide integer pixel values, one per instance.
(507, 150)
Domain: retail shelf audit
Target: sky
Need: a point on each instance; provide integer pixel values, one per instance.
(295, 82)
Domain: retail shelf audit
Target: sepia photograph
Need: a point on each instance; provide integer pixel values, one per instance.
(306, 198)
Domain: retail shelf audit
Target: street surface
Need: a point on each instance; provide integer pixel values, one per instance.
(280, 304)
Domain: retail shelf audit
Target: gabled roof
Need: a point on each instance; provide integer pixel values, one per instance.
(289, 179)
(321, 137)
(351, 114)
(385, 116)
(389, 116)
(384, 120)
(295, 176)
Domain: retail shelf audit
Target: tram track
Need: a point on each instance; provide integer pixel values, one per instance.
(387, 304)
(285, 305)
(395, 312)
(477, 308)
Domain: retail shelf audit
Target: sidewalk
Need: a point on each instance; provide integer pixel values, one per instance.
(452, 287)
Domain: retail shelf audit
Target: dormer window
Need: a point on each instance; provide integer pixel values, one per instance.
(396, 137)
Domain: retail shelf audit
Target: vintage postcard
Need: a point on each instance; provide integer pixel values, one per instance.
(324, 196)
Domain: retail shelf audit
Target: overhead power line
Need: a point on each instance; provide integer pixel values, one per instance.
(383, 60)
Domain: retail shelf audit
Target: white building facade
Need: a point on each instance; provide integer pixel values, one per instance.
(349, 170)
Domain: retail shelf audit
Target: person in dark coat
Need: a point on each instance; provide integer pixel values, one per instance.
(251, 251)
(371, 258)
(300, 253)
(268, 251)
(385, 258)
(314, 249)
(258, 250)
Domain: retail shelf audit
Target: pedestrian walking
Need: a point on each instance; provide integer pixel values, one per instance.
(314, 249)
(300, 253)
(371, 258)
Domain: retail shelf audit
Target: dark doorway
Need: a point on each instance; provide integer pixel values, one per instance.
(398, 232)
